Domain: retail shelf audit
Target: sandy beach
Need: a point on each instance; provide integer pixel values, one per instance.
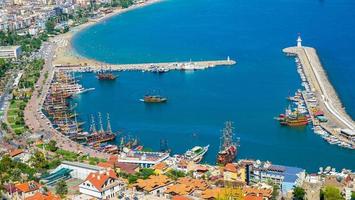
(66, 55)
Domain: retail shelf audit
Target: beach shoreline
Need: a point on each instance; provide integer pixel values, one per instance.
(65, 54)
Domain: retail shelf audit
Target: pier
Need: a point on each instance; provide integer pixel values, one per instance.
(190, 65)
(327, 98)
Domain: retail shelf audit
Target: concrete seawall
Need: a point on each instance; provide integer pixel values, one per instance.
(326, 95)
(197, 65)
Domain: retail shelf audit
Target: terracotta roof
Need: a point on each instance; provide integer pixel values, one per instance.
(106, 165)
(179, 189)
(177, 197)
(201, 168)
(211, 193)
(112, 159)
(196, 183)
(253, 197)
(15, 152)
(40, 196)
(153, 182)
(160, 166)
(257, 192)
(230, 168)
(127, 168)
(28, 186)
(98, 179)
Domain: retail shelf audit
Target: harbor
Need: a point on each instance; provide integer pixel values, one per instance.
(325, 110)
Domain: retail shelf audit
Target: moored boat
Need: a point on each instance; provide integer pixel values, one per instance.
(229, 148)
(154, 99)
(196, 153)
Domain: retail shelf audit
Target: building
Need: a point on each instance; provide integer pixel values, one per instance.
(43, 196)
(232, 172)
(10, 51)
(284, 176)
(143, 159)
(186, 186)
(127, 168)
(102, 185)
(155, 185)
(254, 193)
(160, 168)
(79, 170)
(24, 190)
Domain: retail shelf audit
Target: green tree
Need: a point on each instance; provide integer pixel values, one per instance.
(50, 24)
(175, 174)
(132, 179)
(61, 188)
(145, 173)
(332, 193)
(52, 146)
(2, 62)
(298, 193)
(39, 161)
(275, 192)
(4, 126)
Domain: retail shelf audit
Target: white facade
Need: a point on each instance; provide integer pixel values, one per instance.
(10, 52)
(143, 159)
(109, 190)
(80, 170)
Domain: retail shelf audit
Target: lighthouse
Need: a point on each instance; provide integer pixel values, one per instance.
(299, 41)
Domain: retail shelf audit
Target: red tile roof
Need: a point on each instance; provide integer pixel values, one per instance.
(127, 168)
(177, 197)
(253, 197)
(230, 168)
(160, 166)
(98, 179)
(106, 165)
(28, 186)
(112, 159)
(15, 152)
(40, 196)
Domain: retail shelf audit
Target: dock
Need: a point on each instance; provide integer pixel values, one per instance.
(190, 65)
(327, 98)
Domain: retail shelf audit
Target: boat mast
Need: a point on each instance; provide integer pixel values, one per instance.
(100, 122)
(76, 123)
(109, 130)
(92, 126)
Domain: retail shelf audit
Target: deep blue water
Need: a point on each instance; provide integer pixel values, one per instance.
(250, 93)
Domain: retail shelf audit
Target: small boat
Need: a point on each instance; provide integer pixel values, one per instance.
(154, 99)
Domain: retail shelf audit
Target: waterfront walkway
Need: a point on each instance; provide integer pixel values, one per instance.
(38, 123)
(326, 95)
(191, 65)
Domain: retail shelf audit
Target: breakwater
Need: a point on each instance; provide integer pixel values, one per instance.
(327, 98)
(166, 66)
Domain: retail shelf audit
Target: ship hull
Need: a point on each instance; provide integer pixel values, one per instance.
(227, 156)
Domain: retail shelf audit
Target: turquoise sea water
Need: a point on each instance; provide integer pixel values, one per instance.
(250, 93)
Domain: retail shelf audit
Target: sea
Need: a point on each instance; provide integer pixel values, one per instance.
(250, 93)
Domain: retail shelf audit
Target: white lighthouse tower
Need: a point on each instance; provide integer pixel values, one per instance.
(299, 41)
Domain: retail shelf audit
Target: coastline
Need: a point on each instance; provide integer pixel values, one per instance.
(65, 53)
